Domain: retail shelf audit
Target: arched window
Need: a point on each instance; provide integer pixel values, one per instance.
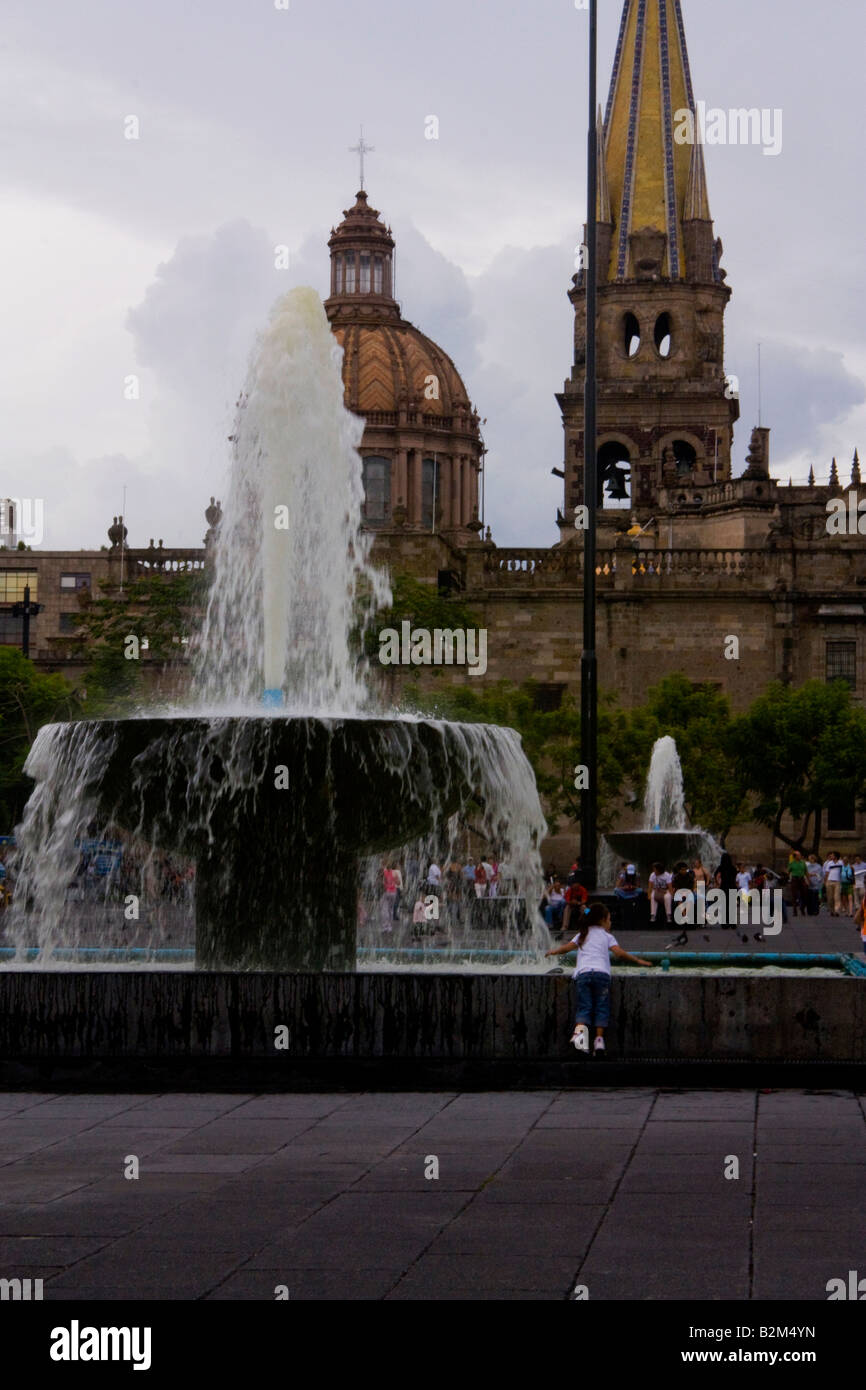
(377, 490)
(663, 336)
(614, 476)
(349, 275)
(377, 275)
(631, 335)
(431, 502)
(364, 285)
(686, 458)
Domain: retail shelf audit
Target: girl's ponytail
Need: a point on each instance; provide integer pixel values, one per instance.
(594, 916)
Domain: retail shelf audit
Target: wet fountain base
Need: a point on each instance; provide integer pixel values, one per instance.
(277, 811)
(189, 1029)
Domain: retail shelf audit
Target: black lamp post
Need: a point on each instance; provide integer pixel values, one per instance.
(589, 659)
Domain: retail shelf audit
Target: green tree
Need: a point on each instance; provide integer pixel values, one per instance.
(801, 751)
(161, 610)
(551, 740)
(419, 604)
(28, 699)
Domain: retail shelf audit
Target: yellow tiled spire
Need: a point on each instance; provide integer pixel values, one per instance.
(653, 181)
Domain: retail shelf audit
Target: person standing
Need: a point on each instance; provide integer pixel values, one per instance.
(860, 919)
(389, 898)
(398, 889)
(833, 882)
(726, 879)
(419, 917)
(434, 878)
(859, 867)
(595, 945)
(454, 892)
(744, 883)
(797, 872)
(700, 873)
(480, 879)
(846, 884)
(815, 879)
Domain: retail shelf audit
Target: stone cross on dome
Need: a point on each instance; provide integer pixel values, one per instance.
(360, 150)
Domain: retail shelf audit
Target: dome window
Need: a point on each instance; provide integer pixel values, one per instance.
(631, 335)
(431, 501)
(364, 285)
(377, 491)
(377, 275)
(663, 338)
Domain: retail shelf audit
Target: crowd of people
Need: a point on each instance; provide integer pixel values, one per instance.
(438, 895)
(837, 883)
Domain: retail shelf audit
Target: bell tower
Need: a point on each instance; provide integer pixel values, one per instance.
(665, 409)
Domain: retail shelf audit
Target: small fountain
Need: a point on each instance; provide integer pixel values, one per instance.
(281, 778)
(665, 837)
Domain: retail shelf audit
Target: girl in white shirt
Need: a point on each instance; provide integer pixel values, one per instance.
(595, 946)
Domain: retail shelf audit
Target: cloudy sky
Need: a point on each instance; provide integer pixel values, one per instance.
(154, 257)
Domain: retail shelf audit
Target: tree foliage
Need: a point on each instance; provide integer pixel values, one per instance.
(160, 610)
(800, 752)
(28, 699)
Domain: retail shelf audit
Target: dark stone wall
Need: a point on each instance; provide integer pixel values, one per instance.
(70, 1016)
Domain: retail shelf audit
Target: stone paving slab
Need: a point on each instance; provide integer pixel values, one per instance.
(623, 1191)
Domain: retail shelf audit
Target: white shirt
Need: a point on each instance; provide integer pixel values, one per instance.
(743, 881)
(434, 874)
(859, 871)
(594, 954)
(661, 882)
(833, 870)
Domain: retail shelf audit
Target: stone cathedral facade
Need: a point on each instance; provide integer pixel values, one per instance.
(694, 545)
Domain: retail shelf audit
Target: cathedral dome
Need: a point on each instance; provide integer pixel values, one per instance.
(391, 365)
(422, 450)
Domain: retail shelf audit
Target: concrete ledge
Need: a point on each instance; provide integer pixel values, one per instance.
(163, 1017)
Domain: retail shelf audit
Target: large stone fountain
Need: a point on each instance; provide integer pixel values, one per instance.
(279, 779)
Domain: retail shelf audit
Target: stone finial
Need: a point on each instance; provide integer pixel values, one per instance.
(213, 515)
(834, 475)
(117, 532)
(758, 459)
(811, 477)
(856, 480)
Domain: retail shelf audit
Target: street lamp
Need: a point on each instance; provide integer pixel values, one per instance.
(589, 658)
(26, 610)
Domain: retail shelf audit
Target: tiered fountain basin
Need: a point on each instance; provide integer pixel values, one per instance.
(277, 811)
(644, 848)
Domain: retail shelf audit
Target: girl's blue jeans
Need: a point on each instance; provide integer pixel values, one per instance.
(593, 998)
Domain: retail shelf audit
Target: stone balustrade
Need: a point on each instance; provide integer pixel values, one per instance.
(524, 567)
(168, 561)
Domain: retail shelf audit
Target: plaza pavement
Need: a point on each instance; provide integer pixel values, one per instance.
(622, 1191)
(822, 934)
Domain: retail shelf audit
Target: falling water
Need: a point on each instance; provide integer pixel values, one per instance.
(664, 803)
(291, 571)
(291, 558)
